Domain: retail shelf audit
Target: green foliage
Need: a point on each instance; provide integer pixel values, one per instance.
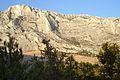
(59, 67)
(109, 57)
(10, 61)
(87, 71)
(86, 53)
(51, 66)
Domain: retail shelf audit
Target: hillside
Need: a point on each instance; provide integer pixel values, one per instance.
(68, 33)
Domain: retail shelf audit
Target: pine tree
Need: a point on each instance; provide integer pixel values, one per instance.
(11, 67)
(109, 58)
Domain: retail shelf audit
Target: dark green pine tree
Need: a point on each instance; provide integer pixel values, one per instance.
(109, 57)
(11, 66)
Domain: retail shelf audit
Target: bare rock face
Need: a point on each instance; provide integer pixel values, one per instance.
(68, 33)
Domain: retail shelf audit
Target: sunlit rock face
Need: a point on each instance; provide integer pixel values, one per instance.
(68, 33)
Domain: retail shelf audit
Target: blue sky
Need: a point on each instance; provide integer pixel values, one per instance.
(102, 8)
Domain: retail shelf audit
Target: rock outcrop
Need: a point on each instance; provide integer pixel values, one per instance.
(68, 33)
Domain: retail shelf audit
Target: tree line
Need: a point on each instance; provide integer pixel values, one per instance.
(51, 66)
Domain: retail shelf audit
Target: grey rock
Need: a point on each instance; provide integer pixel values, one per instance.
(68, 33)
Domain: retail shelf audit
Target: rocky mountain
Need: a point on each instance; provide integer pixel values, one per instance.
(68, 33)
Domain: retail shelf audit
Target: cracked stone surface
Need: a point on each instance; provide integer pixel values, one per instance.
(68, 33)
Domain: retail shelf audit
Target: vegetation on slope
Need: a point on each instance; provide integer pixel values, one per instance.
(51, 66)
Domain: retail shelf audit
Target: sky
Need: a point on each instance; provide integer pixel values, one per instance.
(101, 8)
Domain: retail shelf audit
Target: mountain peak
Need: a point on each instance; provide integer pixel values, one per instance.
(17, 9)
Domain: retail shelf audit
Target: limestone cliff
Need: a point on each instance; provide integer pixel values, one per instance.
(68, 33)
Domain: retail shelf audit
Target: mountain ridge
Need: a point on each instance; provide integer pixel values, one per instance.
(68, 33)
